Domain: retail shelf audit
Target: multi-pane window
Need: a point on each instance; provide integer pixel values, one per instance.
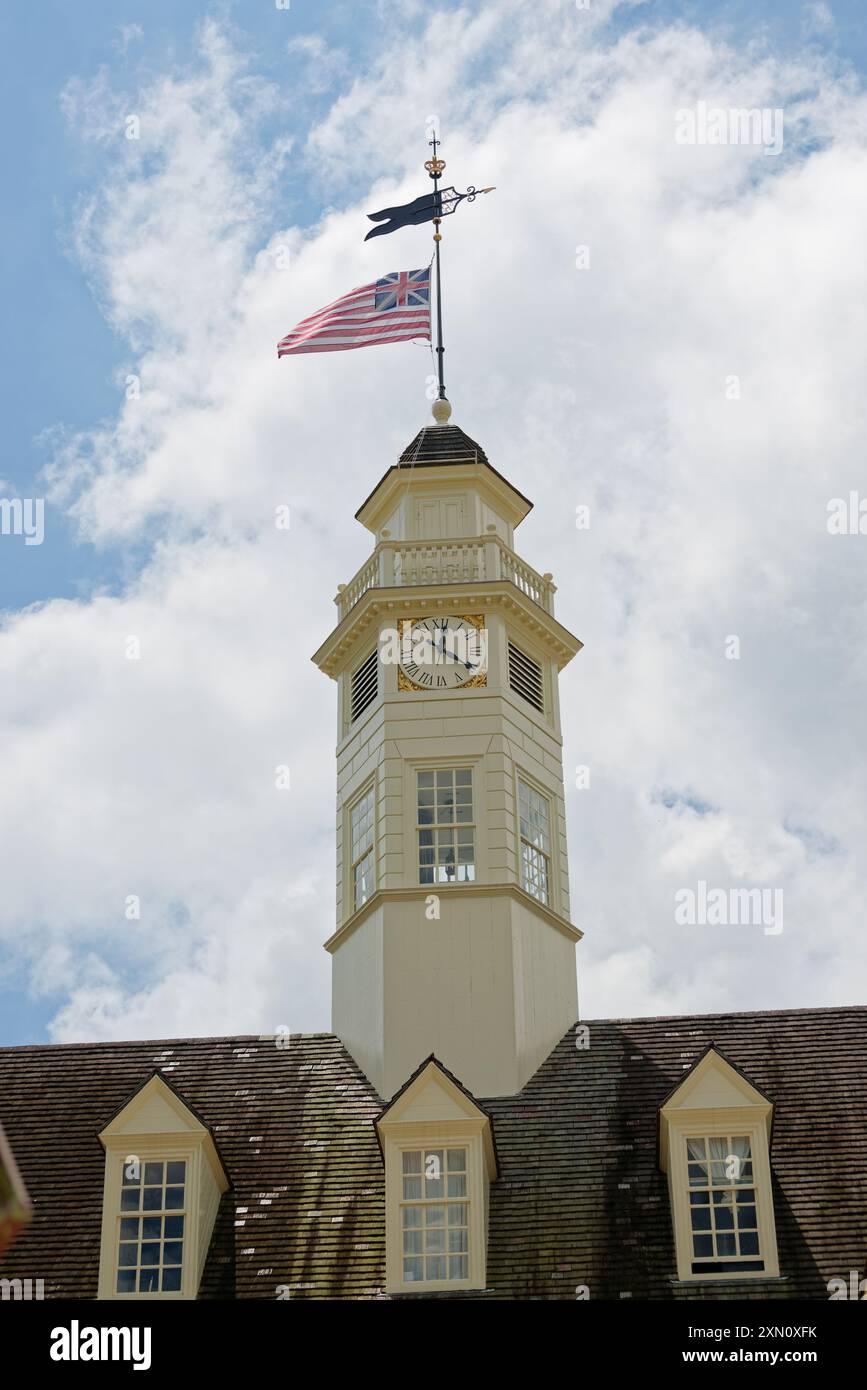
(361, 848)
(722, 1205)
(434, 1212)
(535, 816)
(151, 1236)
(445, 826)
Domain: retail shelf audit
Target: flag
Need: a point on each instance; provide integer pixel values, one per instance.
(422, 209)
(390, 310)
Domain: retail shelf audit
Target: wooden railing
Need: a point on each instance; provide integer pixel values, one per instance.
(366, 578)
(409, 563)
(458, 562)
(534, 585)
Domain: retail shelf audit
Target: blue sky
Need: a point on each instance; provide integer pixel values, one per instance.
(58, 367)
(126, 549)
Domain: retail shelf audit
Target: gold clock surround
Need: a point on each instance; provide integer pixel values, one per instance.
(476, 620)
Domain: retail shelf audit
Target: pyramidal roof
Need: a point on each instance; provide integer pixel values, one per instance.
(442, 444)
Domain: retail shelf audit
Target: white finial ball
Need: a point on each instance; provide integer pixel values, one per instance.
(441, 410)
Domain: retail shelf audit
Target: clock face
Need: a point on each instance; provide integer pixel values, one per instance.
(442, 653)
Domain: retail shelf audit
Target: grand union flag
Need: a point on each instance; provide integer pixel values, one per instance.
(389, 310)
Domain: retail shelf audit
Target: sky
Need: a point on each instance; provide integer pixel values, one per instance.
(668, 333)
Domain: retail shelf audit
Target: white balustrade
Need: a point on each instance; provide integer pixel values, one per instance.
(411, 563)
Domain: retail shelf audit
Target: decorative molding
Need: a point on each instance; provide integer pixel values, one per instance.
(445, 890)
(499, 593)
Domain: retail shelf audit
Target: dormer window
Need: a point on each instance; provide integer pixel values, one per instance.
(722, 1205)
(434, 1215)
(438, 1149)
(151, 1241)
(163, 1182)
(714, 1145)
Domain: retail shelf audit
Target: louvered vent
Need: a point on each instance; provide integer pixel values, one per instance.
(525, 677)
(364, 686)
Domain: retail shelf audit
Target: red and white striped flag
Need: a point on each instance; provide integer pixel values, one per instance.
(392, 309)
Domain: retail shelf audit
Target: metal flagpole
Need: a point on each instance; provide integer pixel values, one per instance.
(435, 167)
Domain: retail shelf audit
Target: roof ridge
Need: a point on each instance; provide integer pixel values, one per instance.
(698, 1019)
(162, 1042)
(732, 1013)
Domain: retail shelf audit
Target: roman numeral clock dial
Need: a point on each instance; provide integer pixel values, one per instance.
(442, 653)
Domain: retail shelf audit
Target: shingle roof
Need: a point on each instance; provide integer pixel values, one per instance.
(443, 444)
(579, 1200)
(294, 1126)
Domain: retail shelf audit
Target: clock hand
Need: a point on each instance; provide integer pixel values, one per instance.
(444, 651)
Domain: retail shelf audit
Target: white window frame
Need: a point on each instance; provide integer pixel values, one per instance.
(369, 790)
(521, 840)
(187, 1156)
(714, 1100)
(177, 1135)
(424, 1202)
(453, 766)
(164, 1149)
(405, 1126)
(454, 1135)
(706, 1127)
(733, 1263)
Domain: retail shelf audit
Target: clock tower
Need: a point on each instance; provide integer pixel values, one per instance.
(453, 933)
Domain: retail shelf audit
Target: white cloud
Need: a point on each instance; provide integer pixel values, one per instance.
(128, 34)
(818, 18)
(323, 63)
(605, 386)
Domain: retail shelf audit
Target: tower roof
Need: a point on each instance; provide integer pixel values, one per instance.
(440, 446)
(443, 444)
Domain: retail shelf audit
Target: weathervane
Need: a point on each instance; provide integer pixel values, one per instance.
(396, 307)
(430, 207)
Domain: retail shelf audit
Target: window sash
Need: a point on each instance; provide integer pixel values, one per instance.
(362, 844)
(160, 1268)
(534, 816)
(435, 1230)
(723, 1203)
(445, 825)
